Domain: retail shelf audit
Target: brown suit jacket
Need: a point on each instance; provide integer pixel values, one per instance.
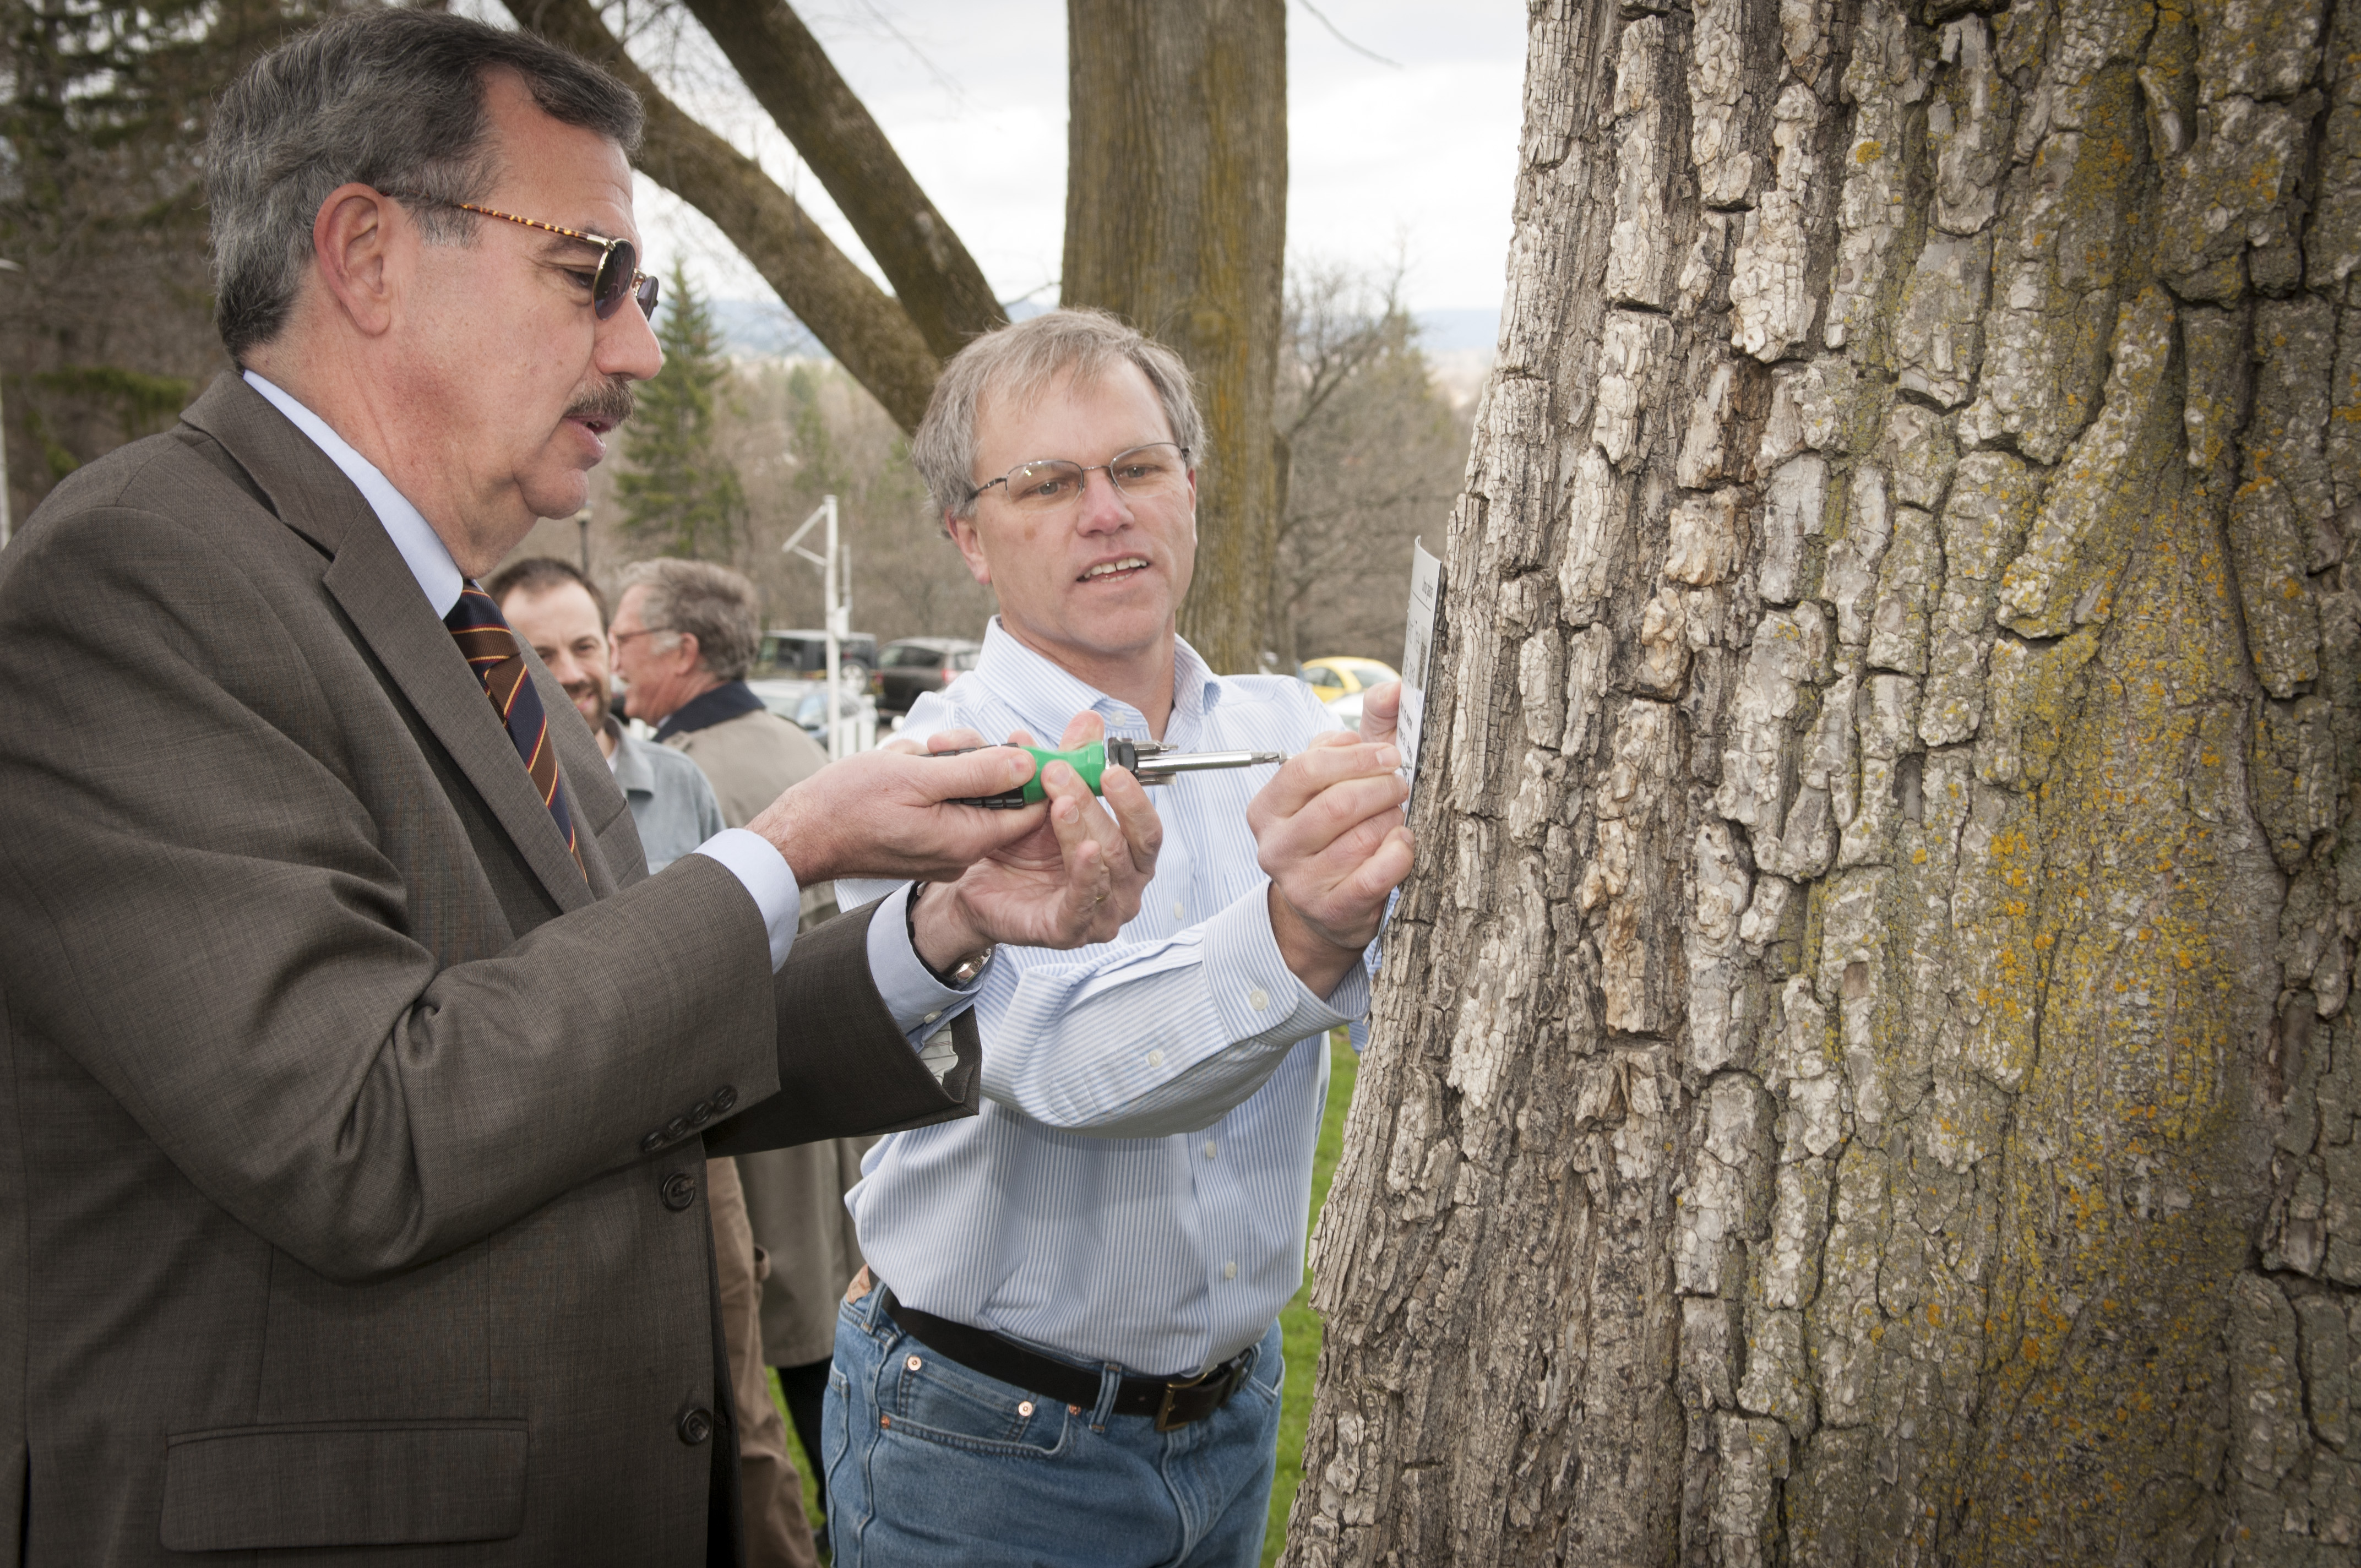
(347, 1185)
(794, 1197)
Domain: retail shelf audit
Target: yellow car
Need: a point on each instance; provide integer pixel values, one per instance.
(1332, 678)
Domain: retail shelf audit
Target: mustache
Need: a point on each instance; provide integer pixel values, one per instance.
(611, 403)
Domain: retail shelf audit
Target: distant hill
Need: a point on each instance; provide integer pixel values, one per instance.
(765, 329)
(1447, 331)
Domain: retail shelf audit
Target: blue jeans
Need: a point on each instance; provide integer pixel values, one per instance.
(935, 1463)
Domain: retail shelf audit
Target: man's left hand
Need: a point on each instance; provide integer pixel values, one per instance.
(1075, 880)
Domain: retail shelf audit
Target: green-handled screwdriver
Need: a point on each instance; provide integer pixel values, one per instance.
(1150, 763)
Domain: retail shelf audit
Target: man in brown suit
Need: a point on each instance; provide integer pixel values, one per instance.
(357, 1078)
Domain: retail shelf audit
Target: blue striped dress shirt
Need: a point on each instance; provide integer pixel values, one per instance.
(1135, 1188)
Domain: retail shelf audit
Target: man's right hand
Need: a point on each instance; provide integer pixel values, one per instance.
(883, 813)
(1328, 830)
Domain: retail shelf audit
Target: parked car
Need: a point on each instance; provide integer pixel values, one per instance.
(806, 652)
(1332, 678)
(802, 700)
(915, 665)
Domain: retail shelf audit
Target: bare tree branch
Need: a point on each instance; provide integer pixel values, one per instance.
(939, 284)
(860, 324)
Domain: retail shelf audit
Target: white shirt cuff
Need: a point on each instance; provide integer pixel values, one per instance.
(767, 878)
(1253, 989)
(916, 999)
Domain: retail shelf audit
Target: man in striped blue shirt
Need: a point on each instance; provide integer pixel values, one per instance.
(1066, 1346)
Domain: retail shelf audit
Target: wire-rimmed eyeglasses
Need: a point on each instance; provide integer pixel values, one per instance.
(1156, 469)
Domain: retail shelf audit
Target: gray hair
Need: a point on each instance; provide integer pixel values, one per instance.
(697, 598)
(1019, 361)
(392, 99)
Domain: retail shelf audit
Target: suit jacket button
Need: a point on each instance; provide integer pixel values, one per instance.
(700, 1113)
(651, 1143)
(696, 1425)
(676, 1128)
(724, 1098)
(679, 1191)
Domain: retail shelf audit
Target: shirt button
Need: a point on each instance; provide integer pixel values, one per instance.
(1229, 1271)
(1209, 1149)
(1180, 910)
(932, 1017)
(1258, 999)
(1156, 1059)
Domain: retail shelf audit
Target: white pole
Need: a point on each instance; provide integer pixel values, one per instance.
(836, 604)
(835, 631)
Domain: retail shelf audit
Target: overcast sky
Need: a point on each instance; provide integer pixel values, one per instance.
(1416, 159)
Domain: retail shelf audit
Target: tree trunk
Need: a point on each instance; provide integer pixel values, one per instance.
(1175, 220)
(1863, 1070)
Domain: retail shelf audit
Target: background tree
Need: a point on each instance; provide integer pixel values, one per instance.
(1176, 206)
(679, 495)
(1175, 220)
(907, 579)
(108, 330)
(1373, 458)
(1865, 1070)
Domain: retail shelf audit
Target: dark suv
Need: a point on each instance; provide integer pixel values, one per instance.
(918, 664)
(806, 652)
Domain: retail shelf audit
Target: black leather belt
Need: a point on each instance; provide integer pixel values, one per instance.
(979, 1349)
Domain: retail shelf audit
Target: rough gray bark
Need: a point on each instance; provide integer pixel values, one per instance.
(1175, 220)
(1862, 1070)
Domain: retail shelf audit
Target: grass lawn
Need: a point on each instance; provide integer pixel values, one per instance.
(1298, 1322)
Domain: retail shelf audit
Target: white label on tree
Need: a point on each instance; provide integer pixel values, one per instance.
(1418, 648)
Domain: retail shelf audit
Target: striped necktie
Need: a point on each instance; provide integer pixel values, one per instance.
(494, 654)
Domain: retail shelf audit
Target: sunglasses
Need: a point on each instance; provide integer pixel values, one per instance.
(619, 260)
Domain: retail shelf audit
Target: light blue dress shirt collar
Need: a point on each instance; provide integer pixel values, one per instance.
(428, 557)
(1046, 695)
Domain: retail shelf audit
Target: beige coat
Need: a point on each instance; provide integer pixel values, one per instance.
(795, 1198)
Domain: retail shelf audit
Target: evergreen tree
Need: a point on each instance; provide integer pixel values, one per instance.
(104, 105)
(679, 493)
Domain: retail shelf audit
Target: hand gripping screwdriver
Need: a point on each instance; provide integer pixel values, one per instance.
(1149, 762)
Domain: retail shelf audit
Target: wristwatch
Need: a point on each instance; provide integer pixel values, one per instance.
(962, 974)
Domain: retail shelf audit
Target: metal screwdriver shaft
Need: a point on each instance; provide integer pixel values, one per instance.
(1147, 761)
